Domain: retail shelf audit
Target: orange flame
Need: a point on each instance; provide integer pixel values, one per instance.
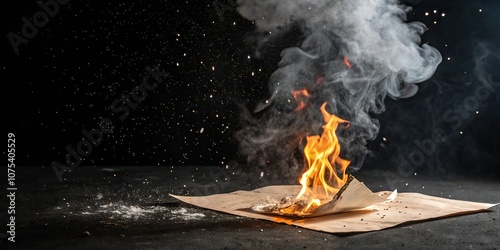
(346, 62)
(322, 156)
(299, 95)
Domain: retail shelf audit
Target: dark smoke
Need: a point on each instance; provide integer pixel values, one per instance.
(386, 59)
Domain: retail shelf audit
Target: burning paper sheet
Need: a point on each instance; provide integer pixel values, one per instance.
(406, 207)
(354, 195)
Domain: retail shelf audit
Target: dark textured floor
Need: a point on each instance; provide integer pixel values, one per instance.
(129, 208)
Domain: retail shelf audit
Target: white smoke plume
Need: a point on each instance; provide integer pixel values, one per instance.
(355, 53)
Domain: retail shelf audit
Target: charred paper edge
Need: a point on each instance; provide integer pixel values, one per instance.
(266, 208)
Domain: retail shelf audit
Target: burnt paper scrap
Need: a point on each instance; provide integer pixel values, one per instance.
(354, 195)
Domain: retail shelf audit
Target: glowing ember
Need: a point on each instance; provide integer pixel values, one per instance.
(346, 62)
(299, 96)
(326, 170)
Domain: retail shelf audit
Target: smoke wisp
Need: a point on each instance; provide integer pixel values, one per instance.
(355, 53)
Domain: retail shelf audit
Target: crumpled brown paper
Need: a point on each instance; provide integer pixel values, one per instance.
(406, 207)
(353, 195)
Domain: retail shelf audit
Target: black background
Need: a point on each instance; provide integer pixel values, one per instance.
(67, 76)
